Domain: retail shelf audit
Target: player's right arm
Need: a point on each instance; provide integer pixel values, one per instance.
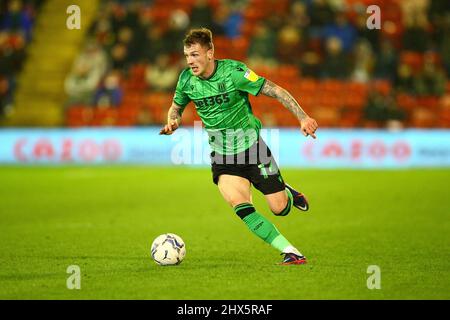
(173, 119)
(180, 100)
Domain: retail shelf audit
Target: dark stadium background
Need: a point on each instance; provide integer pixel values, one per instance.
(80, 156)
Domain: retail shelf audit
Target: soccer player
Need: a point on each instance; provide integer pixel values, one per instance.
(239, 157)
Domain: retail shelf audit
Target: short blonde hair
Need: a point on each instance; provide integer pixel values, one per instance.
(202, 36)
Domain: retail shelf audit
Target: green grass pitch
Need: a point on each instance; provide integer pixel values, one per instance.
(103, 219)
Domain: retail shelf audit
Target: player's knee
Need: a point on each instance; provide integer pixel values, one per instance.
(234, 201)
(280, 207)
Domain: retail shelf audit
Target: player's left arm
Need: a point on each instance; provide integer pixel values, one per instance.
(308, 125)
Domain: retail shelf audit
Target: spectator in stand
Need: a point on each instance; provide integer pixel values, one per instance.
(87, 71)
(118, 16)
(132, 14)
(16, 19)
(5, 55)
(342, 30)
(155, 44)
(382, 110)
(289, 44)
(228, 20)
(321, 14)
(315, 35)
(404, 81)
(119, 57)
(310, 64)
(439, 17)
(162, 75)
(81, 83)
(5, 97)
(364, 61)
(95, 57)
(101, 31)
(201, 14)
(442, 39)
(275, 22)
(261, 51)
(140, 36)
(178, 24)
(12, 54)
(415, 36)
(109, 94)
(336, 64)
(370, 35)
(445, 51)
(220, 17)
(126, 37)
(386, 61)
(374, 112)
(298, 16)
(395, 116)
(431, 81)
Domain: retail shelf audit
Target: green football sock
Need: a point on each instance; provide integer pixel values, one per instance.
(288, 205)
(261, 227)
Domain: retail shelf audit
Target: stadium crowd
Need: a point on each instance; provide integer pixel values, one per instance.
(16, 25)
(322, 51)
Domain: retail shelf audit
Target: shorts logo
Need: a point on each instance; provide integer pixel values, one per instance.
(251, 76)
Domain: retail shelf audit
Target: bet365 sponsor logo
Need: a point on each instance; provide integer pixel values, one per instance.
(211, 101)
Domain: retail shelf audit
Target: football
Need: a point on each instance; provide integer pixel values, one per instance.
(168, 249)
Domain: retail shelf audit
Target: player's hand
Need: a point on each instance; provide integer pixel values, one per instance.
(169, 128)
(308, 126)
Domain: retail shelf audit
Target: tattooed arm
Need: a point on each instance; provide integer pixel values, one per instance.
(308, 125)
(173, 119)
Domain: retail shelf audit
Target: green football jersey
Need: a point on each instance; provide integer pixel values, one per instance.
(223, 105)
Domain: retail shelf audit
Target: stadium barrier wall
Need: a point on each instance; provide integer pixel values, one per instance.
(189, 146)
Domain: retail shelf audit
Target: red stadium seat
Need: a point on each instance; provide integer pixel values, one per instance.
(308, 85)
(252, 14)
(247, 29)
(406, 102)
(137, 72)
(354, 101)
(288, 72)
(382, 86)
(356, 88)
(350, 119)
(329, 100)
(104, 117)
(444, 118)
(78, 116)
(423, 118)
(326, 117)
(332, 86)
(413, 59)
(213, 3)
(127, 116)
(431, 103)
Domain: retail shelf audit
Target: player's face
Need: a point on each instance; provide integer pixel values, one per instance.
(198, 59)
